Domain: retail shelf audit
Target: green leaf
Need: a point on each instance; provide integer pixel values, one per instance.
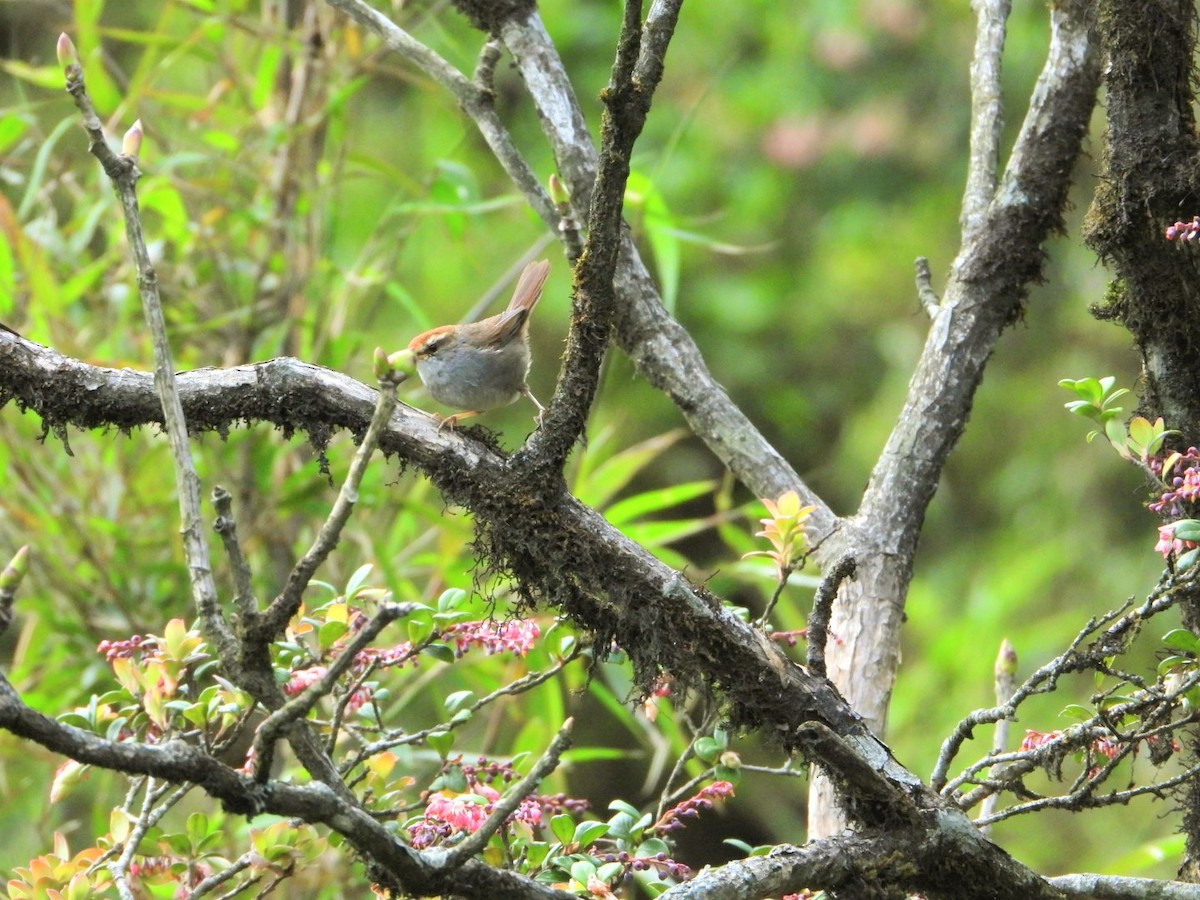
(656, 501)
(1084, 408)
(47, 77)
(728, 773)
(451, 599)
(562, 827)
(652, 847)
(587, 833)
(357, 580)
(419, 626)
(1187, 530)
(440, 652)
(1188, 560)
(1182, 639)
(536, 853)
(708, 749)
(197, 827)
(643, 197)
(458, 700)
(440, 742)
(610, 871)
(582, 870)
(330, 632)
(628, 809)
(1114, 430)
(598, 486)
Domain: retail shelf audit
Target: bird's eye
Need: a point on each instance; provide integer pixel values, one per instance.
(429, 346)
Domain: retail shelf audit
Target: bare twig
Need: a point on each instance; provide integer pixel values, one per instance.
(1112, 632)
(525, 683)
(150, 815)
(226, 526)
(10, 580)
(818, 619)
(1005, 683)
(474, 100)
(925, 292)
(275, 618)
(1086, 799)
(668, 795)
(122, 170)
(215, 880)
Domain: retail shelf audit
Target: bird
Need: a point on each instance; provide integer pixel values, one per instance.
(483, 365)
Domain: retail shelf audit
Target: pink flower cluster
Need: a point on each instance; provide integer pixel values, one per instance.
(515, 636)
(145, 644)
(1179, 500)
(1106, 747)
(386, 656)
(447, 812)
(660, 861)
(306, 678)
(673, 818)
(1168, 543)
(1184, 486)
(462, 812)
(1184, 231)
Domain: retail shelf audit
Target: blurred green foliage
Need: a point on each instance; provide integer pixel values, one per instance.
(318, 198)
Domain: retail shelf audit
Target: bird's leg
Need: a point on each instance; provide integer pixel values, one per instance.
(541, 410)
(452, 421)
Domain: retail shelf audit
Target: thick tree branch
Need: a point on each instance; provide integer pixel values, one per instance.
(939, 863)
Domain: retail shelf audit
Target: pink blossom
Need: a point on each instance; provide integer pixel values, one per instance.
(461, 811)
(304, 679)
(1106, 747)
(1189, 488)
(515, 636)
(529, 812)
(386, 656)
(1035, 739)
(1168, 543)
(673, 818)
